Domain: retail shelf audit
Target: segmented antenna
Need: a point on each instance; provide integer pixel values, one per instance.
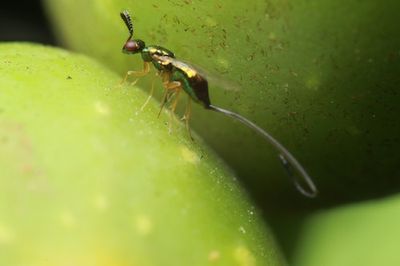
(128, 22)
(288, 161)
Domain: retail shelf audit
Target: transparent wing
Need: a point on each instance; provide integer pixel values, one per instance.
(220, 81)
(214, 80)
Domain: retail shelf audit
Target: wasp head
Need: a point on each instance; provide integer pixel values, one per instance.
(131, 46)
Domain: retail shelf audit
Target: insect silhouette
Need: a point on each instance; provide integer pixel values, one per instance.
(177, 75)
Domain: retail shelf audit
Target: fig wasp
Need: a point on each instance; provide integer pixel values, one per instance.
(177, 75)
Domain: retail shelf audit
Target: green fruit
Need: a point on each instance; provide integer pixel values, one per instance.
(364, 234)
(88, 179)
(321, 76)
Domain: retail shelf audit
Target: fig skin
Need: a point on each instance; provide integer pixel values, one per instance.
(88, 179)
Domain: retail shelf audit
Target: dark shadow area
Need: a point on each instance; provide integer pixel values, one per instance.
(24, 21)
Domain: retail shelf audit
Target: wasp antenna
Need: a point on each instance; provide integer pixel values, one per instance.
(288, 161)
(128, 22)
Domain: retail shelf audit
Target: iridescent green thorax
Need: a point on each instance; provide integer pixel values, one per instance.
(149, 52)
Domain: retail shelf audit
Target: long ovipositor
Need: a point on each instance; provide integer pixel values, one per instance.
(177, 75)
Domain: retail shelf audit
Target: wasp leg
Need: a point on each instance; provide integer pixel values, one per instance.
(173, 105)
(150, 95)
(176, 99)
(163, 101)
(144, 72)
(168, 86)
(186, 116)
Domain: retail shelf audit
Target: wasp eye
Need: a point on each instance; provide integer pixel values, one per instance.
(131, 46)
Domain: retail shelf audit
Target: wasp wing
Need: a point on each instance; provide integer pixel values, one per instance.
(214, 79)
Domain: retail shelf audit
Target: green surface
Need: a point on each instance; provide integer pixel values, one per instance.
(365, 234)
(87, 179)
(321, 75)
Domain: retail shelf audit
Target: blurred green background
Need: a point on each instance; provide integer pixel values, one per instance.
(321, 76)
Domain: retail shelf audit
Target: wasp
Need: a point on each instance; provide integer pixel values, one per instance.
(178, 76)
